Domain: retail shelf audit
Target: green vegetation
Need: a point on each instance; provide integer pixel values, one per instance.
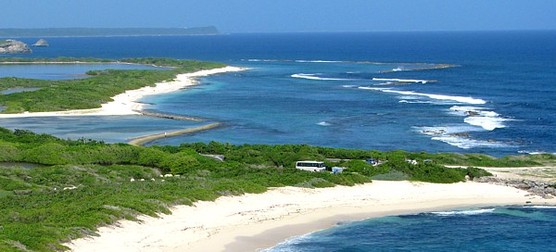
(90, 92)
(78, 185)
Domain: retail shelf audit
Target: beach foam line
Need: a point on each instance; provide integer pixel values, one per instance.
(253, 222)
(127, 103)
(465, 212)
(460, 99)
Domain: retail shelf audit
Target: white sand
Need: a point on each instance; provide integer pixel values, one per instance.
(254, 221)
(126, 103)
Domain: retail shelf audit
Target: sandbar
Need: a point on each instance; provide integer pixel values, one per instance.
(127, 103)
(252, 222)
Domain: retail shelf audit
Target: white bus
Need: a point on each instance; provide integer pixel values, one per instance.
(314, 166)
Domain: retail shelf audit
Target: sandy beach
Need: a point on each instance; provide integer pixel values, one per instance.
(256, 221)
(127, 103)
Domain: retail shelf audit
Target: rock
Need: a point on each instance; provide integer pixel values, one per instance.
(41, 43)
(534, 187)
(13, 46)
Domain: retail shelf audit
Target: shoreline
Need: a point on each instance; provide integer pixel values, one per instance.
(127, 103)
(256, 221)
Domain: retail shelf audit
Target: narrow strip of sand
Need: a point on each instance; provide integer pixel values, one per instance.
(127, 102)
(255, 221)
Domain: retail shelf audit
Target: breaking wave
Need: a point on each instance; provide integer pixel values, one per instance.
(319, 61)
(403, 80)
(459, 99)
(481, 117)
(458, 136)
(315, 77)
(487, 123)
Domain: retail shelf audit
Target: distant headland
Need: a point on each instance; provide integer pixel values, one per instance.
(93, 32)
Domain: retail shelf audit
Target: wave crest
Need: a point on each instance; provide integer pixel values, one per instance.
(459, 99)
(403, 80)
(315, 77)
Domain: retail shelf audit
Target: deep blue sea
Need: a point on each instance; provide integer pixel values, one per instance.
(469, 92)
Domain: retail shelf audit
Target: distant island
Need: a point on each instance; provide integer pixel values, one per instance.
(41, 43)
(92, 32)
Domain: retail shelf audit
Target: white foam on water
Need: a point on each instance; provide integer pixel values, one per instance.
(465, 212)
(534, 152)
(468, 143)
(323, 123)
(485, 122)
(457, 136)
(315, 77)
(472, 111)
(444, 130)
(319, 61)
(478, 116)
(459, 99)
(263, 60)
(402, 80)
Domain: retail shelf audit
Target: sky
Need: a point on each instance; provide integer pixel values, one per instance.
(246, 16)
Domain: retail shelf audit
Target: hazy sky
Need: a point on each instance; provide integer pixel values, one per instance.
(233, 16)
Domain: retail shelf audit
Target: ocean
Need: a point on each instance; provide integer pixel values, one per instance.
(468, 92)
(490, 229)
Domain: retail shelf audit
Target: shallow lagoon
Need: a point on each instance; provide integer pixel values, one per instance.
(65, 71)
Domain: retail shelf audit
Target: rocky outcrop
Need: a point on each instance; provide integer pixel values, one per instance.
(41, 43)
(13, 46)
(543, 189)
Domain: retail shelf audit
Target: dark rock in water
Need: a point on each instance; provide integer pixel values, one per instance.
(13, 46)
(460, 134)
(471, 113)
(41, 43)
